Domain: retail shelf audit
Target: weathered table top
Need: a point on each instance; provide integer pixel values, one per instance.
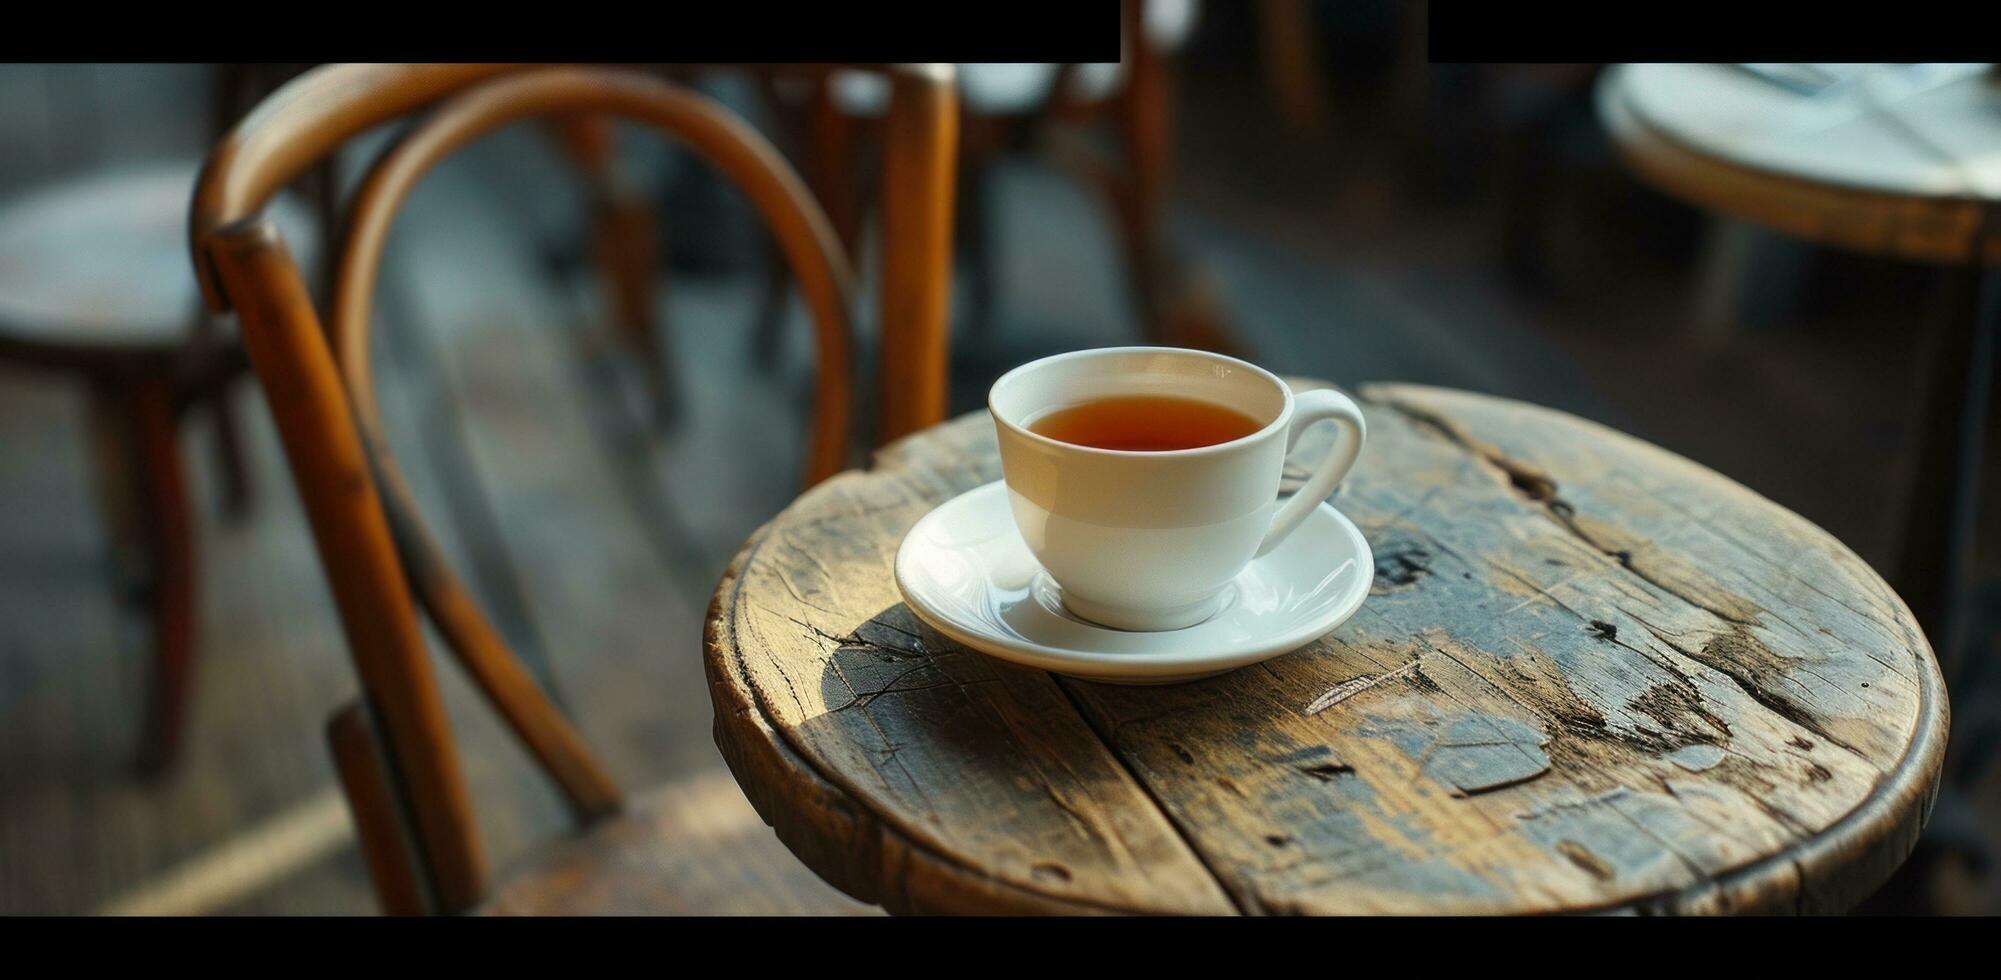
(1592, 676)
(1898, 163)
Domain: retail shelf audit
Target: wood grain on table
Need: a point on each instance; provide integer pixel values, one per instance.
(1592, 675)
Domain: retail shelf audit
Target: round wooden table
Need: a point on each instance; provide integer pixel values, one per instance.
(1592, 675)
(1903, 164)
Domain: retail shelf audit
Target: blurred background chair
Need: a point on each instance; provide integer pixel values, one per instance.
(93, 286)
(1109, 126)
(396, 756)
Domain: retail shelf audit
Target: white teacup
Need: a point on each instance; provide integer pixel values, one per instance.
(1151, 540)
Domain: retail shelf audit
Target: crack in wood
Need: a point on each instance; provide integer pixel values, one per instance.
(1527, 479)
(1726, 654)
(1673, 705)
(1233, 889)
(855, 641)
(1537, 486)
(1723, 654)
(1872, 619)
(1328, 772)
(1581, 856)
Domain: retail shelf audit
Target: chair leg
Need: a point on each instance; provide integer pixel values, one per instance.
(627, 251)
(387, 844)
(168, 535)
(831, 166)
(1294, 66)
(112, 463)
(920, 143)
(1145, 118)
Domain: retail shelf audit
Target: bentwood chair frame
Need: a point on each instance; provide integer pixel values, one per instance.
(393, 747)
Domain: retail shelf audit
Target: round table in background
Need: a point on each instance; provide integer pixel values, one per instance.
(1903, 164)
(1591, 675)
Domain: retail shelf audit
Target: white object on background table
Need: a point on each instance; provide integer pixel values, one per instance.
(1930, 130)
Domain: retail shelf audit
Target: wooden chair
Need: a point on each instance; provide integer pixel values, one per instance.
(93, 287)
(393, 747)
(830, 116)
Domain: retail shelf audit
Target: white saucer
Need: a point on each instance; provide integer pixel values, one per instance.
(965, 571)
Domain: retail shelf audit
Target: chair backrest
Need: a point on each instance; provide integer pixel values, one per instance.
(380, 561)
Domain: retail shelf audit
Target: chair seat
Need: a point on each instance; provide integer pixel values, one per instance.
(101, 261)
(690, 848)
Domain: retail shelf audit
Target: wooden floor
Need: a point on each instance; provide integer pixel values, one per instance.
(595, 540)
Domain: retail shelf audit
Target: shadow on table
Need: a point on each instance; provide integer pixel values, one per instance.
(894, 681)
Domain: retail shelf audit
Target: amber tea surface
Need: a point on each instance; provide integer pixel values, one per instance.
(1145, 423)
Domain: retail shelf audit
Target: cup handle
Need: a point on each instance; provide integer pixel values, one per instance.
(1318, 405)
